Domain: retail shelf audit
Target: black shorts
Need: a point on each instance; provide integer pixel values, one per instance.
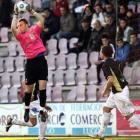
(36, 69)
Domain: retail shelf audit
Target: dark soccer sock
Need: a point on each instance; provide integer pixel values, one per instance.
(36, 90)
(43, 97)
(27, 98)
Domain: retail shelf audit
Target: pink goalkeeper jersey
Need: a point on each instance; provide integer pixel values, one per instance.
(31, 42)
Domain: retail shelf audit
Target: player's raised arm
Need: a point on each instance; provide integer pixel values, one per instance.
(14, 21)
(40, 23)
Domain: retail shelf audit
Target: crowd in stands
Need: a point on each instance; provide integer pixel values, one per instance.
(95, 23)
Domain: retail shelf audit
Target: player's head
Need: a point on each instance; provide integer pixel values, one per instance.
(106, 52)
(23, 25)
(105, 40)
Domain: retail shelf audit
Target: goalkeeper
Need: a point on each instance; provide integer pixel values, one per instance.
(36, 66)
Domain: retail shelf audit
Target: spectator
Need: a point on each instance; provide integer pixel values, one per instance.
(134, 49)
(132, 20)
(122, 12)
(124, 30)
(83, 38)
(123, 50)
(77, 10)
(67, 25)
(51, 25)
(109, 10)
(134, 57)
(98, 15)
(88, 12)
(58, 4)
(99, 63)
(110, 28)
(5, 13)
(95, 38)
(77, 7)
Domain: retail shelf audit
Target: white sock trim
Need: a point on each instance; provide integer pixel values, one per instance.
(27, 107)
(41, 108)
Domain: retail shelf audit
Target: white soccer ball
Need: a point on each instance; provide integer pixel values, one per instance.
(22, 7)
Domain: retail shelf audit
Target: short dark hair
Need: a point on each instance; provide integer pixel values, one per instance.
(119, 39)
(47, 9)
(123, 19)
(133, 34)
(85, 20)
(24, 20)
(105, 36)
(107, 51)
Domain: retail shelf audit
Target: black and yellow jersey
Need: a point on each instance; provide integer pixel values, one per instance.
(111, 67)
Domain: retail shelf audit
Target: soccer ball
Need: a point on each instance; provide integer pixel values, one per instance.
(22, 7)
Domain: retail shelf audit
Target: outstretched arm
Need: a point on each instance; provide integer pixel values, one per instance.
(40, 23)
(14, 22)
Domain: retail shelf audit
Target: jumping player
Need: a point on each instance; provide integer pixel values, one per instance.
(36, 66)
(34, 112)
(119, 96)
